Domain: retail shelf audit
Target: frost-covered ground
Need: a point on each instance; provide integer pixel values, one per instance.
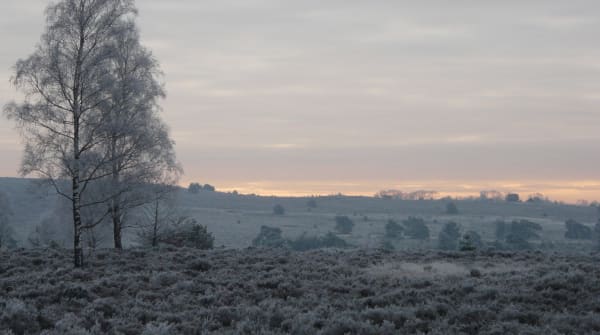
(256, 291)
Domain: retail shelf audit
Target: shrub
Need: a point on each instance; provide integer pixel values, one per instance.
(189, 233)
(269, 237)
(517, 234)
(501, 230)
(415, 228)
(451, 208)
(393, 230)
(343, 225)
(577, 231)
(471, 241)
(512, 197)
(448, 237)
(194, 188)
(278, 210)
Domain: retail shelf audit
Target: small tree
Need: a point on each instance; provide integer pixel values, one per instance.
(577, 231)
(502, 230)
(343, 225)
(208, 188)
(451, 208)
(415, 228)
(520, 233)
(278, 210)
(194, 188)
(471, 240)
(269, 237)
(512, 197)
(393, 230)
(448, 237)
(526, 229)
(66, 82)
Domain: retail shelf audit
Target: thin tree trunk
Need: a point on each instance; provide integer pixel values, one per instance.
(116, 218)
(76, 202)
(77, 226)
(155, 230)
(115, 202)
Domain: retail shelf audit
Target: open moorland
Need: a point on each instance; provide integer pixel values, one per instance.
(265, 291)
(235, 220)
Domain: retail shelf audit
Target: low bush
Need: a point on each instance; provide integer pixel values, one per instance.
(278, 210)
(343, 225)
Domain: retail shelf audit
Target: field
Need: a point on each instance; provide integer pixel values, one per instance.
(255, 291)
(235, 220)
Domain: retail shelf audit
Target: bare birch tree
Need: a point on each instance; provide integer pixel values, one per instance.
(141, 153)
(65, 82)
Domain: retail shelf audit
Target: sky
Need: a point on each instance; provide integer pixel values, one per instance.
(318, 97)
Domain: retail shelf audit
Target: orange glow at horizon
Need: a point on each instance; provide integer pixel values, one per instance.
(566, 191)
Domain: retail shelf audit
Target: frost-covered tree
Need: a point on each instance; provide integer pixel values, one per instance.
(521, 232)
(278, 210)
(139, 149)
(66, 82)
(448, 237)
(416, 228)
(451, 208)
(393, 230)
(194, 188)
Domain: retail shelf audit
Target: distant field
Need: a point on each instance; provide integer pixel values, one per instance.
(236, 219)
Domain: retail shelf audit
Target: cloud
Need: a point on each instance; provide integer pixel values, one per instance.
(308, 90)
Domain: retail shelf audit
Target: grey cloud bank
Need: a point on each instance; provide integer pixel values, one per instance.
(359, 91)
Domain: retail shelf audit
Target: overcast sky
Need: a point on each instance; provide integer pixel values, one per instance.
(307, 97)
